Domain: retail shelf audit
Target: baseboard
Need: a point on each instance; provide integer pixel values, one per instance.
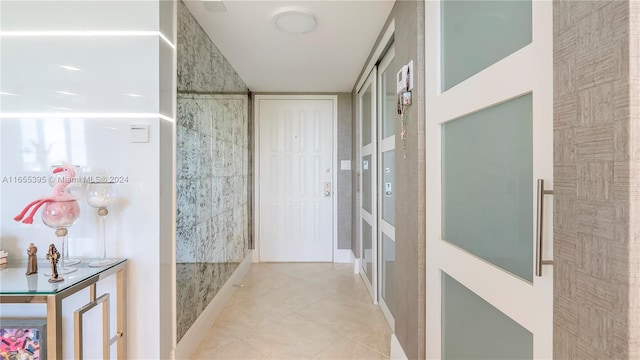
(343, 256)
(356, 266)
(396, 349)
(190, 342)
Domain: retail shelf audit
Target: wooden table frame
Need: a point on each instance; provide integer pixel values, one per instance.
(54, 313)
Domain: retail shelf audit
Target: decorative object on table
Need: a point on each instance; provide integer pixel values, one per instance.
(61, 210)
(32, 262)
(53, 256)
(101, 195)
(23, 339)
(3, 257)
(59, 193)
(57, 178)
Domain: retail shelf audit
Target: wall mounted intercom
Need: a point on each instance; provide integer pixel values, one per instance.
(405, 78)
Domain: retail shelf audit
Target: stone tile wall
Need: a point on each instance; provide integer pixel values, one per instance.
(213, 180)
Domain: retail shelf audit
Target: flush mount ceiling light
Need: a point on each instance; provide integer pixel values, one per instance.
(294, 21)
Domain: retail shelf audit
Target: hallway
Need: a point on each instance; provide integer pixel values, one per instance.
(298, 311)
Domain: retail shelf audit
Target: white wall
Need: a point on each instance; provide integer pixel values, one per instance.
(40, 126)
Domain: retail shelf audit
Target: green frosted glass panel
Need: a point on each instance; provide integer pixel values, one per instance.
(474, 329)
(390, 100)
(388, 267)
(487, 185)
(365, 106)
(367, 183)
(389, 187)
(477, 34)
(367, 249)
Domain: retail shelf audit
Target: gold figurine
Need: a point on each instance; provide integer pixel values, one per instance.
(53, 255)
(32, 263)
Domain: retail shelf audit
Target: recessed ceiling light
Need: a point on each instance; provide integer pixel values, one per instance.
(133, 95)
(295, 21)
(72, 68)
(7, 94)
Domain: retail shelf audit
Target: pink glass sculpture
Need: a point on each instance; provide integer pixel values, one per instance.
(61, 209)
(60, 215)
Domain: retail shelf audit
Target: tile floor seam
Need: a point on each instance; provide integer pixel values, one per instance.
(345, 335)
(255, 349)
(346, 295)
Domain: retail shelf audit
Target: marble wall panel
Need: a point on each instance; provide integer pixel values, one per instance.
(212, 196)
(212, 170)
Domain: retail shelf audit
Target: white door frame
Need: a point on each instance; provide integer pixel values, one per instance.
(442, 106)
(256, 166)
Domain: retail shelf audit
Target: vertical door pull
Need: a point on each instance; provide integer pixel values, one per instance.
(540, 227)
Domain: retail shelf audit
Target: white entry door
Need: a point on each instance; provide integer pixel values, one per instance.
(489, 126)
(295, 179)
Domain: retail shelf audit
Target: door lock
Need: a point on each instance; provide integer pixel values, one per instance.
(327, 189)
(387, 189)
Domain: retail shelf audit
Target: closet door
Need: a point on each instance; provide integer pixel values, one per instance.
(368, 184)
(489, 113)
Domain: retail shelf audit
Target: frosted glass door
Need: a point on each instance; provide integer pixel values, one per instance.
(368, 183)
(387, 120)
(489, 131)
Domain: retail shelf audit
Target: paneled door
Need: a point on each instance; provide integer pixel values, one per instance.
(295, 179)
(489, 150)
(368, 185)
(387, 116)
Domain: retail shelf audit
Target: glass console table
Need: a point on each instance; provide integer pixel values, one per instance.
(18, 288)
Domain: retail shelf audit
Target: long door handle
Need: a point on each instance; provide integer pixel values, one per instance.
(540, 227)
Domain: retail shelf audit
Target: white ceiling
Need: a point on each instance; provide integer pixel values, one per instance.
(326, 59)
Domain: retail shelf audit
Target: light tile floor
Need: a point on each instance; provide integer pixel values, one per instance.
(299, 311)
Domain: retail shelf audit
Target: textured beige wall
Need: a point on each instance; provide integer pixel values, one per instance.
(597, 187)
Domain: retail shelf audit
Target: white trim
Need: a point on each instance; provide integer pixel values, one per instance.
(199, 330)
(388, 144)
(174, 161)
(343, 256)
(86, 115)
(397, 353)
(387, 229)
(387, 312)
(382, 44)
(356, 265)
(256, 166)
(84, 33)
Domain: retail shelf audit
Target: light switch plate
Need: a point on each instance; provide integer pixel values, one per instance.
(139, 133)
(345, 165)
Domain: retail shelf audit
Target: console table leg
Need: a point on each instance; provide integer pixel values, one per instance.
(54, 328)
(121, 304)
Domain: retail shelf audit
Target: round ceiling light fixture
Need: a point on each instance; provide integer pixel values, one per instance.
(294, 21)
